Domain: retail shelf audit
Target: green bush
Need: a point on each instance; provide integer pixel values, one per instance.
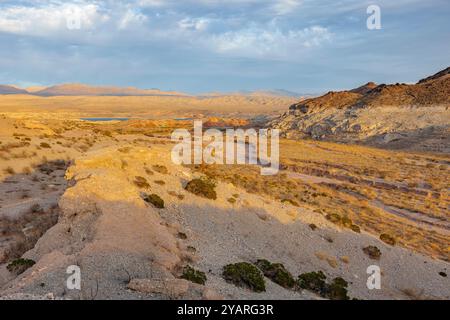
(155, 200)
(202, 188)
(193, 275)
(19, 266)
(244, 274)
(313, 281)
(337, 290)
(316, 282)
(277, 273)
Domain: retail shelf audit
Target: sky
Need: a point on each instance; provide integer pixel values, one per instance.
(199, 46)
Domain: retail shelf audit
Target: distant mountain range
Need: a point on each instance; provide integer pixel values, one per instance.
(75, 89)
(4, 89)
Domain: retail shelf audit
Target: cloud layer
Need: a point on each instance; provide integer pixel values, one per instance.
(212, 41)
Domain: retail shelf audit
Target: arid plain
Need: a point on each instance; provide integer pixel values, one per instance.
(106, 196)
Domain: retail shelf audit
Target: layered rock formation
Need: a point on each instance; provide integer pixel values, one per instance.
(398, 116)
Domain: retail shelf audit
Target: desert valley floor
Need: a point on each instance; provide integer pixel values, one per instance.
(75, 192)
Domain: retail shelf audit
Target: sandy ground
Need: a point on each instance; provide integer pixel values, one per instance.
(109, 231)
(117, 239)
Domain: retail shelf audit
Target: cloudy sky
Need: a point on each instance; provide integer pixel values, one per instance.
(306, 46)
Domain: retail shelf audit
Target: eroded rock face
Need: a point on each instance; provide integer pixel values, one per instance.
(106, 228)
(398, 116)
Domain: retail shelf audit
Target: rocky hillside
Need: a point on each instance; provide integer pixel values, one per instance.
(397, 116)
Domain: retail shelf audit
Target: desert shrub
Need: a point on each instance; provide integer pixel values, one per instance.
(19, 266)
(155, 200)
(45, 145)
(334, 218)
(244, 274)
(124, 149)
(160, 182)
(346, 222)
(174, 194)
(313, 226)
(231, 200)
(316, 282)
(443, 274)
(141, 182)
(373, 252)
(160, 169)
(202, 188)
(277, 273)
(36, 208)
(26, 170)
(387, 238)
(9, 170)
(182, 235)
(291, 202)
(337, 290)
(193, 275)
(313, 281)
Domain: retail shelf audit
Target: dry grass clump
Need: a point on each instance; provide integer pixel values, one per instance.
(160, 169)
(45, 145)
(160, 182)
(25, 231)
(155, 200)
(9, 170)
(203, 188)
(141, 182)
(387, 238)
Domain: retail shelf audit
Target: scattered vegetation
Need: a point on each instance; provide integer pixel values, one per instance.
(244, 274)
(193, 275)
(203, 188)
(345, 222)
(141, 182)
(155, 200)
(160, 169)
(373, 252)
(291, 202)
(45, 145)
(9, 170)
(277, 273)
(316, 282)
(19, 266)
(387, 238)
